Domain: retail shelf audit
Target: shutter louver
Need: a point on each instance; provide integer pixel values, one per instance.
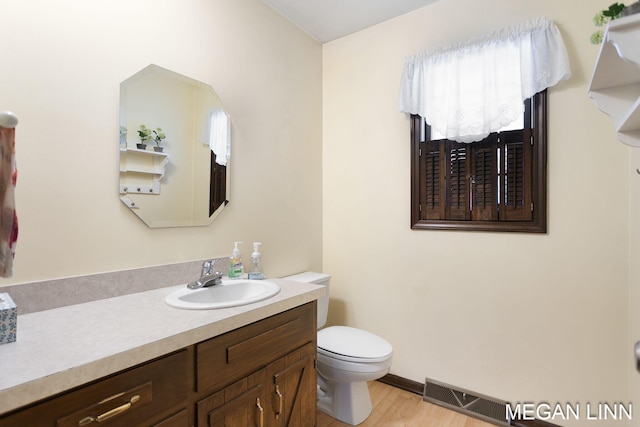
(431, 182)
(485, 181)
(516, 200)
(457, 181)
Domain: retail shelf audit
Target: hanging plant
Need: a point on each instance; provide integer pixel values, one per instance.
(603, 17)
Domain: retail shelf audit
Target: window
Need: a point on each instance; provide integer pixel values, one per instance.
(497, 184)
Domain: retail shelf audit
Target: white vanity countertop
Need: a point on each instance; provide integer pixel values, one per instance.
(65, 347)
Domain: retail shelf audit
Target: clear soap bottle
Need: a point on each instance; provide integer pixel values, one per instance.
(256, 272)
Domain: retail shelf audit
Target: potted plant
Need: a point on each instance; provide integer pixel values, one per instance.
(145, 134)
(158, 136)
(603, 17)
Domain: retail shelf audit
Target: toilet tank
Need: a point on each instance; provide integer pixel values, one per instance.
(316, 279)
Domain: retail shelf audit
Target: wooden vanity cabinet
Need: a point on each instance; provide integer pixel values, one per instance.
(282, 394)
(262, 374)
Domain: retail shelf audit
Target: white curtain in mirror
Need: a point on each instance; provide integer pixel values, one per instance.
(468, 90)
(216, 133)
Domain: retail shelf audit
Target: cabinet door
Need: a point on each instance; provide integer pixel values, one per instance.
(292, 384)
(181, 419)
(239, 405)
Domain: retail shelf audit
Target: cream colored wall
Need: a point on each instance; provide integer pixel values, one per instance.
(536, 318)
(550, 327)
(62, 65)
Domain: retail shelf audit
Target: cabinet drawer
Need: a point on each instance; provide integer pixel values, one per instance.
(229, 357)
(122, 400)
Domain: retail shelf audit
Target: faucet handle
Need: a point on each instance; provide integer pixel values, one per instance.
(207, 267)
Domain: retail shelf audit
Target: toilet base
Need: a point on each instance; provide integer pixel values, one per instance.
(346, 402)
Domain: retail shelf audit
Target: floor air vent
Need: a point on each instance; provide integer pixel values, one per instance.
(466, 402)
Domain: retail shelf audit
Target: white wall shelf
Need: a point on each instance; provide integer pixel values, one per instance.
(141, 170)
(615, 84)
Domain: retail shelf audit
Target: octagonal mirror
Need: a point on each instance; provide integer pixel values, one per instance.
(175, 142)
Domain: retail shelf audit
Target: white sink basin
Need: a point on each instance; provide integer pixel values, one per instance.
(230, 293)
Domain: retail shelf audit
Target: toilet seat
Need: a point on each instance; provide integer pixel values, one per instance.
(353, 345)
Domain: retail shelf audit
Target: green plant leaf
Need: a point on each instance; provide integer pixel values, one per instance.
(614, 10)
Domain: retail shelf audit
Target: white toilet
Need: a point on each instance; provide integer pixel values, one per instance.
(347, 359)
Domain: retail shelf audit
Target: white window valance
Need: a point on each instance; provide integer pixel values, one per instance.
(216, 133)
(468, 90)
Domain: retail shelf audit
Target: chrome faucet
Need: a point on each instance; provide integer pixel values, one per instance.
(208, 277)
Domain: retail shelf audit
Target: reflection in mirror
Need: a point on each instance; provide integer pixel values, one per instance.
(182, 179)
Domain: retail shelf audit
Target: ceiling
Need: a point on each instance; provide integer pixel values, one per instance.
(327, 20)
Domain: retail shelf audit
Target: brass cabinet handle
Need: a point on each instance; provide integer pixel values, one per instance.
(109, 414)
(279, 411)
(260, 413)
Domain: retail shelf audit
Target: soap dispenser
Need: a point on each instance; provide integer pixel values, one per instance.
(236, 266)
(256, 272)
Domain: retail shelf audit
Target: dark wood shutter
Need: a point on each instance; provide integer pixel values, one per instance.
(432, 192)
(457, 179)
(498, 184)
(516, 176)
(484, 180)
(217, 185)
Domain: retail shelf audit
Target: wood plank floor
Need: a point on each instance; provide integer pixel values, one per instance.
(393, 407)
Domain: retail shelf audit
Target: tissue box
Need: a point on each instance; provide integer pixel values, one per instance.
(8, 319)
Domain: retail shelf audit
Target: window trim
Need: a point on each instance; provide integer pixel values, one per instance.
(538, 222)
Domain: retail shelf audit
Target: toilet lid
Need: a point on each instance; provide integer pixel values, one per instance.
(352, 343)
